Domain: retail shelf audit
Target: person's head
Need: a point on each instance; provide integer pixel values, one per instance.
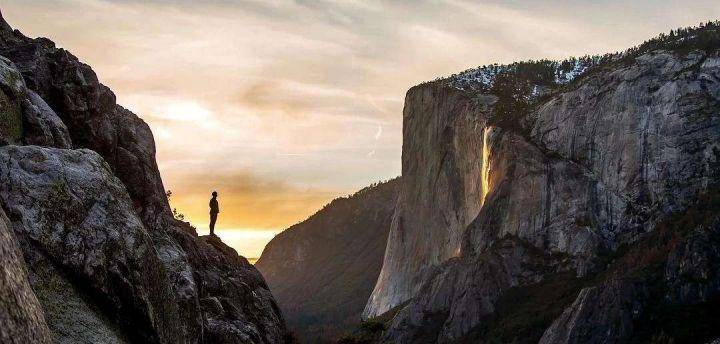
(214, 193)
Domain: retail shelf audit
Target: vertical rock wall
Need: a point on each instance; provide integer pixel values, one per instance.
(441, 189)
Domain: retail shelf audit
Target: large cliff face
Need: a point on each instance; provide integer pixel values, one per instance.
(441, 190)
(85, 204)
(575, 168)
(323, 269)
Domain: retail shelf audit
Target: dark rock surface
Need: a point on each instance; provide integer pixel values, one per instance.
(106, 260)
(68, 205)
(88, 110)
(601, 314)
(235, 302)
(323, 269)
(26, 116)
(665, 288)
(21, 315)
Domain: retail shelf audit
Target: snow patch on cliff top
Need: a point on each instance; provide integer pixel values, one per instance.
(483, 78)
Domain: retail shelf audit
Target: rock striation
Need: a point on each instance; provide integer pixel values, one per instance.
(103, 259)
(441, 136)
(61, 204)
(20, 312)
(323, 269)
(569, 181)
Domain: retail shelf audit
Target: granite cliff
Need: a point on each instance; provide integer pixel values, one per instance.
(561, 202)
(323, 269)
(90, 249)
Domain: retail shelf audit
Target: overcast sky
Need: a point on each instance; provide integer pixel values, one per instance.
(283, 105)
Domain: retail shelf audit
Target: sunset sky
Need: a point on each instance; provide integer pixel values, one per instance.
(282, 106)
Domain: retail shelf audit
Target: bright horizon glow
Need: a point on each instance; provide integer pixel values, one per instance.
(248, 242)
(282, 106)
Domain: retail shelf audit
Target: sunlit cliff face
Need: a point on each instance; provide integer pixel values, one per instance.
(283, 105)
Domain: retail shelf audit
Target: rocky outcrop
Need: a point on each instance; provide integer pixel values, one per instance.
(235, 305)
(92, 117)
(666, 288)
(323, 269)
(67, 205)
(573, 162)
(106, 261)
(20, 312)
(26, 116)
(12, 89)
(602, 314)
(443, 311)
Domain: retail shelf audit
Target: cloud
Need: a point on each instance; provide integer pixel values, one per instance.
(283, 105)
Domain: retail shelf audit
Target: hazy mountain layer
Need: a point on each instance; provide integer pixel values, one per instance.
(323, 269)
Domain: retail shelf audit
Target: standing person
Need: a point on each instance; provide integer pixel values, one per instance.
(214, 210)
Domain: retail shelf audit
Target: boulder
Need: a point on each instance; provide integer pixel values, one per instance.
(69, 206)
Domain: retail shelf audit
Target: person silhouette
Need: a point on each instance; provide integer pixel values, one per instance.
(214, 210)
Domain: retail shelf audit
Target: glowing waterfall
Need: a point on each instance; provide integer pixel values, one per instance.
(485, 164)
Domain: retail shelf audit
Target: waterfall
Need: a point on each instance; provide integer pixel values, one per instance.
(485, 164)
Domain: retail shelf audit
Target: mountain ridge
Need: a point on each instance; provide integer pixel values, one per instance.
(322, 270)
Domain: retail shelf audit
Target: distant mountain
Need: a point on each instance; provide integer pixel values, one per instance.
(90, 251)
(322, 270)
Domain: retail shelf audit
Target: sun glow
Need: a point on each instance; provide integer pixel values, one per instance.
(183, 110)
(247, 242)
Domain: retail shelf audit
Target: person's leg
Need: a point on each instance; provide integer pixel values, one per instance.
(213, 218)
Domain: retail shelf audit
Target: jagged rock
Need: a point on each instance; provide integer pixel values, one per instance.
(68, 205)
(93, 119)
(672, 271)
(647, 131)
(72, 316)
(235, 301)
(42, 126)
(78, 230)
(322, 270)
(12, 89)
(21, 316)
(107, 260)
(443, 312)
(601, 314)
(3, 24)
(27, 117)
